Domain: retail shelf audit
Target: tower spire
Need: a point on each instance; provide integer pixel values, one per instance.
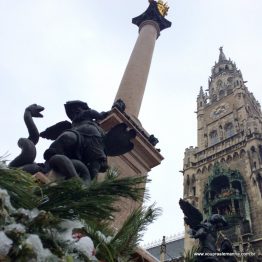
(201, 98)
(163, 249)
(132, 86)
(222, 56)
(201, 92)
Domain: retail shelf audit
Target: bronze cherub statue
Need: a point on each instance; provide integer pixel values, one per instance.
(80, 147)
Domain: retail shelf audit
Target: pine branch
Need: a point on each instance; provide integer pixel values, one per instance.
(127, 187)
(127, 238)
(20, 186)
(72, 199)
(101, 234)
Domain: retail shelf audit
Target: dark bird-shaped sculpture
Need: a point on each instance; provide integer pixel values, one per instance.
(206, 231)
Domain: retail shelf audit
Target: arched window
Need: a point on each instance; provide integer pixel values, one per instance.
(222, 161)
(235, 156)
(254, 156)
(186, 187)
(221, 93)
(187, 180)
(214, 98)
(213, 137)
(229, 130)
(204, 170)
(242, 153)
(230, 79)
(259, 183)
(229, 159)
(193, 178)
(194, 191)
(260, 151)
(237, 186)
(193, 185)
(219, 83)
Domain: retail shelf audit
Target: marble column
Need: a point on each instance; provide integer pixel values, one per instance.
(133, 83)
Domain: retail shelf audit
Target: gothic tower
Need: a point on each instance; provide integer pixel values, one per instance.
(223, 174)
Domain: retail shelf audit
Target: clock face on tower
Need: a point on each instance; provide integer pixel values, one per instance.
(219, 111)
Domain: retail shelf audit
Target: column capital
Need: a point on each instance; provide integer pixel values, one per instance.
(152, 14)
(150, 22)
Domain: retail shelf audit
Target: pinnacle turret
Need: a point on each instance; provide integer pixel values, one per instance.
(201, 92)
(224, 79)
(222, 56)
(201, 99)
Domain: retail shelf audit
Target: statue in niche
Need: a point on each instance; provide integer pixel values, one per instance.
(80, 147)
(206, 231)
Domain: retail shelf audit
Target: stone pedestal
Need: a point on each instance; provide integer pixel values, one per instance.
(137, 162)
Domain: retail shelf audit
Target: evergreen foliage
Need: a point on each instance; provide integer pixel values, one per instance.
(38, 223)
(20, 186)
(73, 199)
(125, 241)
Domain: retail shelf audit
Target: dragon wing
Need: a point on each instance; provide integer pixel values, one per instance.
(117, 140)
(56, 130)
(193, 217)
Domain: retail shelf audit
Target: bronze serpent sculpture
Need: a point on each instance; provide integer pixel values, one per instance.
(27, 145)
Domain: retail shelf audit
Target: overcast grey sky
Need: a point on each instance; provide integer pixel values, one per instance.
(52, 51)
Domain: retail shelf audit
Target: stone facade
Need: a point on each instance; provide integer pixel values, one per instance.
(223, 174)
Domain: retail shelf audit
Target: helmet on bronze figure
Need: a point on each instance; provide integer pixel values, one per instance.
(73, 108)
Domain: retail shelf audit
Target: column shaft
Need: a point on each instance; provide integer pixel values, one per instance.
(132, 86)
